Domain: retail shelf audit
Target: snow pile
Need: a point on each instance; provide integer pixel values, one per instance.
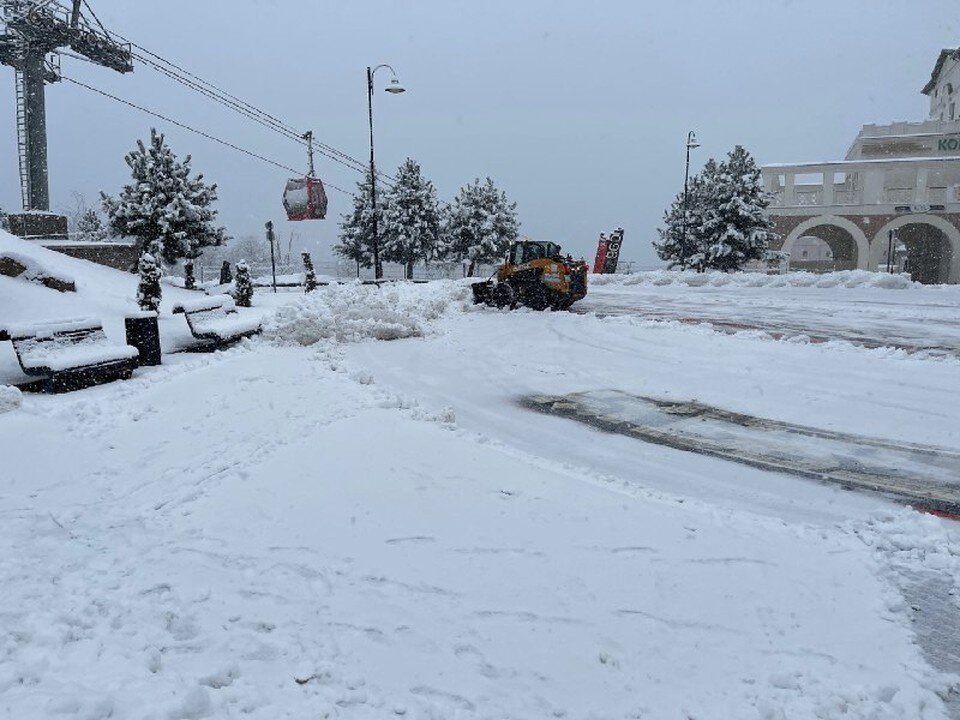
(10, 398)
(354, 312)
(913, 541)
(25, 267)
(840, 278)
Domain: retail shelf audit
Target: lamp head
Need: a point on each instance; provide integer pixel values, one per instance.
(395, 87)
(692, 140)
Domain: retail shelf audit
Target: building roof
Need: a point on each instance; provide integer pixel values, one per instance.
(945, 54)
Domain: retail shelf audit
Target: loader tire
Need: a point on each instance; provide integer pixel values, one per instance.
(536, 297)
(504, 297)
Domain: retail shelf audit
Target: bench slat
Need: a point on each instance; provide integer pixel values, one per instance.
(214, 302)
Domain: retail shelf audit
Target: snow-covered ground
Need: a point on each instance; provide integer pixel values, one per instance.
(321, 522)
(870, 309)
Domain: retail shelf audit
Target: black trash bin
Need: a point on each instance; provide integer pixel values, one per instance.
(144, 334)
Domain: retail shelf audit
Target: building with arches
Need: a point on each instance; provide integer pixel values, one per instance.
(893, 201)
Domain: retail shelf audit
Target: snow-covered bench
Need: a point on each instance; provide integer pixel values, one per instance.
(215, 321)
(70, 354)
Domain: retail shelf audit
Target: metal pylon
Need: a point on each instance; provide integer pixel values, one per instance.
(23, 139)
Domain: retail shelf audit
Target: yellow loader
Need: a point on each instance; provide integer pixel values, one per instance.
(534, 274)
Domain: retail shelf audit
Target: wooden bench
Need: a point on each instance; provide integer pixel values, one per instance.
(215, 322)
(69, 354)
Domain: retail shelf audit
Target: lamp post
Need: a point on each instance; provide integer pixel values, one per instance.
(891, 234)
(271, 238)
(394, 87)
(691, 143)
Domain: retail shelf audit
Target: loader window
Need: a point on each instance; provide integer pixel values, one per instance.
(534, 252)
(516, 254)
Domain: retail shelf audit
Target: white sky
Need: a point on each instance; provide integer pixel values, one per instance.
(578, 110)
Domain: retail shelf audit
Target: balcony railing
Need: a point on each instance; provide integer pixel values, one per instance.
(898, 195)
(866, 184)
(809, 196)
(847, 197)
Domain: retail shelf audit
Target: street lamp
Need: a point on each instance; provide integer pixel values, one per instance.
(394, 88)
(691, 143)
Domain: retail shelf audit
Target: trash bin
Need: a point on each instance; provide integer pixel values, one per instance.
(143, 333)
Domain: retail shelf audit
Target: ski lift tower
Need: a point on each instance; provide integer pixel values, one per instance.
(32, 29)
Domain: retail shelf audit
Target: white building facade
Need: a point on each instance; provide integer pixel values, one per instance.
(899, 186)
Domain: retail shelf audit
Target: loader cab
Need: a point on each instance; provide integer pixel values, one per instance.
(525, 251)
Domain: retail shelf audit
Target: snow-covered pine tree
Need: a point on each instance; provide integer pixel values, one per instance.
(189, 280)
(90, 228)
(309, 276)
(148, 289)
(4, 222)
(680, 242)
(167, 211)
(243, 285)
(226, 274)
(412, 219)
(480, 224)
(356, 228)
(735, 229)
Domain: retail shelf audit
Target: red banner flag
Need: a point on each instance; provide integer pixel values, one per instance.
(600, 261)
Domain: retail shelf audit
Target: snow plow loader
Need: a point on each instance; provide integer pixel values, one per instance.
(535, 275)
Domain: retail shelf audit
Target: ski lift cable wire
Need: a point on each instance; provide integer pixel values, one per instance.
(238, 108)
(207, 135)
(90, 9)
(259, 116)
(290, 135)
(272, 119)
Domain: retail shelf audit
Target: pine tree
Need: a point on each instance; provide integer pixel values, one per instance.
(4, 222)
(148, 290)
(309, 276)
(680, 244)
(735, 228)
(189, 280)
(167, 211)
(412, 219)
(90, 228)
(243, 285)
(480, 225)
(356, 228)
(226, 275)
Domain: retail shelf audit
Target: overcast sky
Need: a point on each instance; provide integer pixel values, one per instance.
(578, 110)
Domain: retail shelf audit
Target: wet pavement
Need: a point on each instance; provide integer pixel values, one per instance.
(923, 476)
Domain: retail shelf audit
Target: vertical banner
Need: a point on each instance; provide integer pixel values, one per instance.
(613, 251)
(600, 261)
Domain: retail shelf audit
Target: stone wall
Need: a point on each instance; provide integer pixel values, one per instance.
(121, 256)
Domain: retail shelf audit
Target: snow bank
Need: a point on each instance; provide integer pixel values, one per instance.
(10, 398)
(841, 278)
(354, 312)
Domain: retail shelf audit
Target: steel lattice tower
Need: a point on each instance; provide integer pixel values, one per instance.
(34, 28)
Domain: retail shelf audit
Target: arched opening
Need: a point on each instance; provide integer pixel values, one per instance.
(831, 242)
(824, 248)
(925, 252)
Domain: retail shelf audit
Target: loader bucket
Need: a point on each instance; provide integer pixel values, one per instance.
(482, 292)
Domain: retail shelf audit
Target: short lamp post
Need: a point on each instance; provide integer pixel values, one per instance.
(272, 239)
(691, 143)
(891, 235)
(394, 87)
